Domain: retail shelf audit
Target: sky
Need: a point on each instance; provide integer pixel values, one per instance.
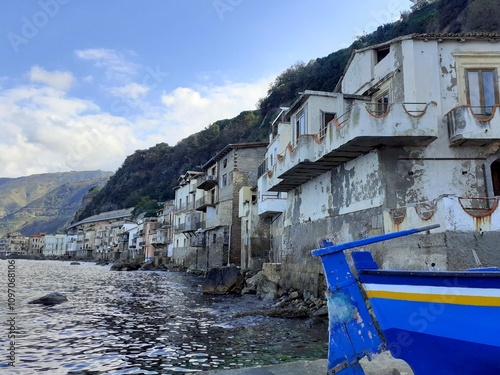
(85, 83)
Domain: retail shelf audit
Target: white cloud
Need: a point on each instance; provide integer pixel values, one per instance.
(115, 64)
(56, 79)
(189, 110)
(44, 129)
(131, 90)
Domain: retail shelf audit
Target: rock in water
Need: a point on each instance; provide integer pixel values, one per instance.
(50, 299)
(74, 264)
(223, 280)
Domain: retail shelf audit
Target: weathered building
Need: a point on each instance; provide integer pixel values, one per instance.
(410, 137)
(162, 238)
(94, 237)
(226, 173)
(188, 223)
(14, 243)
(36, 244)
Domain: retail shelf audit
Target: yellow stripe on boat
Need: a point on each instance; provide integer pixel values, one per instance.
(453, 299)
(437, 294)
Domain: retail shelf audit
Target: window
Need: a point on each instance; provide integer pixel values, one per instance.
(214, 238)
(326, 118)
(224, 163)
(382, 103)
(224, 180)
(482, 93)
(300, 122)
(381, 53)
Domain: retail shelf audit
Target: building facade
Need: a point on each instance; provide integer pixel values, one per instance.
(219, 240)
(410, 137)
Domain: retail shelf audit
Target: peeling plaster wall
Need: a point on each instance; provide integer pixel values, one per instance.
(311, 201)
(339, 205)
(255, 232)
(354, 200)
(357, 185)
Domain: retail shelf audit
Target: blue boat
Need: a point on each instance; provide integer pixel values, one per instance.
(439, 322)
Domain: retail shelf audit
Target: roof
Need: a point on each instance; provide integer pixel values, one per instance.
(232, 146)
(439, 37)
(109, 215)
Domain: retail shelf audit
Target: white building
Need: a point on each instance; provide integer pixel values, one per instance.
(55, 245)
(410, 137)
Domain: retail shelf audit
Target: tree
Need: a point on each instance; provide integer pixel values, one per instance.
(483, 15)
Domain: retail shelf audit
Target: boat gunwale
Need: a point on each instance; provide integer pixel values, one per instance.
(423, 273)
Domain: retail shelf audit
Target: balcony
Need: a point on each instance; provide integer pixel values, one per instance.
(207, 182)
(159, 239)
(355, 133)
(272, 203)
(198, 240)
(208, 200)
(469, 129)
(179, 227)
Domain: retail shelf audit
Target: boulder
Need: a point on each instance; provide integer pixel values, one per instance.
(148, 266)
(223, 280)
(123, 265)
(50, 299)
(74, 263)
(265, 288)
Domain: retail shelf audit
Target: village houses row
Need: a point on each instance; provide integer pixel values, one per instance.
(409, 137)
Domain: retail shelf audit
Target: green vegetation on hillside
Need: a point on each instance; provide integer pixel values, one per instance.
(44, 202)
(150, 175)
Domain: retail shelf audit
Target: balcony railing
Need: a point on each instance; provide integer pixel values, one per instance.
(179, 227)
(208, 200)
(468, 128)
(197, 241)
(354, 133)
(207, 182)
(262, 168)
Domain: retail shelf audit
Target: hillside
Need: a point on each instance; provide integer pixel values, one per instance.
(153, 173)
(44, 202)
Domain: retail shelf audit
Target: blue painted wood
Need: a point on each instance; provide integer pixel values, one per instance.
(352, 332)
(434, 337)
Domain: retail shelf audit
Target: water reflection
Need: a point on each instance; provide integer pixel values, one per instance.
(142, 323)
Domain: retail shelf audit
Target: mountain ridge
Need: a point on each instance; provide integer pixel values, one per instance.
(45, 202)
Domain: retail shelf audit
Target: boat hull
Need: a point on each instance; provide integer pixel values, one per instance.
(438, 322)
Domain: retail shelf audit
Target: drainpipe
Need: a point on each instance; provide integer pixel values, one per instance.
(229, 247)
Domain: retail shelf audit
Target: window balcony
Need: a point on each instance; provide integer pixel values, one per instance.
(208, 200)
(271, 203)
(207, 182)
(355, 133)
(180, 227)
(198, 240)
(466, 128)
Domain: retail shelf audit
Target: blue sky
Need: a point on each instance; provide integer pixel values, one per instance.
(84, 83)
